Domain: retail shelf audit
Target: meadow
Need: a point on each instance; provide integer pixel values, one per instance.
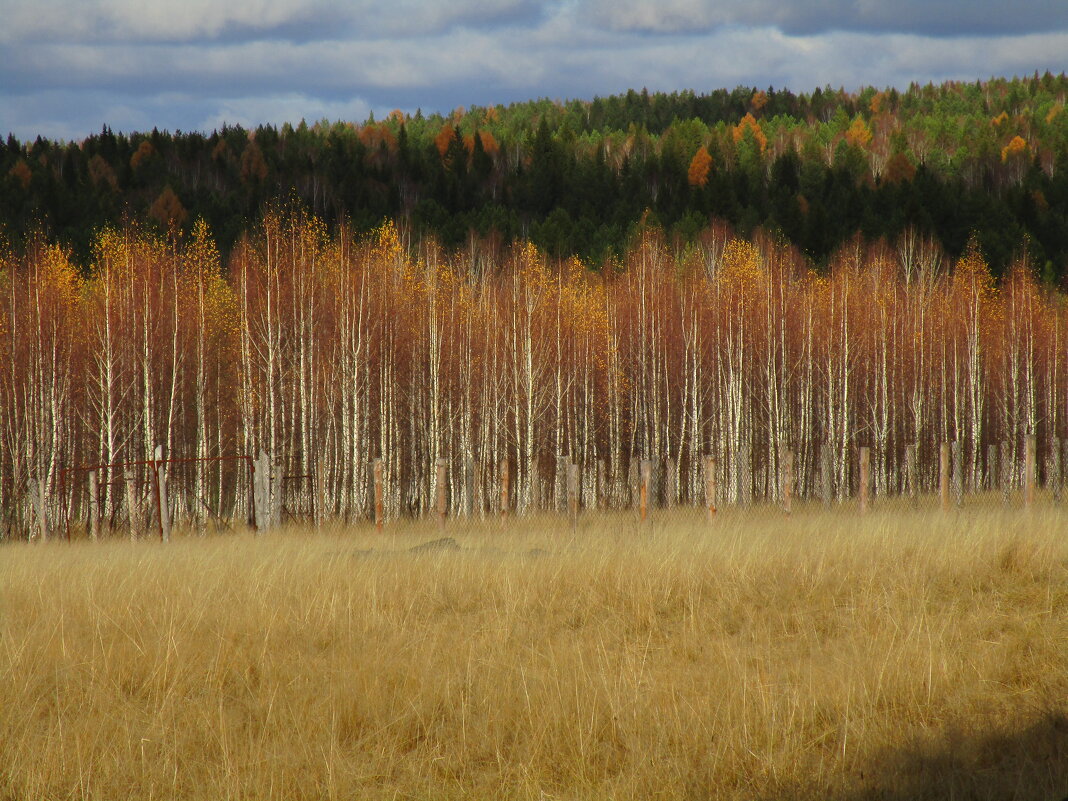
(899, 655)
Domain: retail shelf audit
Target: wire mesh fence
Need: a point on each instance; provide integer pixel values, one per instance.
(148, 498)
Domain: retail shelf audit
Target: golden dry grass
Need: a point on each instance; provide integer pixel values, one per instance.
(896, 656)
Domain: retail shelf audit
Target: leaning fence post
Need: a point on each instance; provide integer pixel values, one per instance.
(865, 468)
(442, 497)
(645, 488)
(94, 506)
(573, 494)
(943, 475)
(163, 509)
(710, 486)
(787, 487)
(1029, 471)
(128, 480)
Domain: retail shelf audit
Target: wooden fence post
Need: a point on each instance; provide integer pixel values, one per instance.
(787, 486)
(865, 469)
(380, 493)
(1029, 471)
(261, 492)
(573, 494)
(710, 486)
(958, 472)
(505, 488)
(39, 502)
(131, 503)
(442, 496)
(94, 506)
(826, 473)
(645, 489)
(163, 507)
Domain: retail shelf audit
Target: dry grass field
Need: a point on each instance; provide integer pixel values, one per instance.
(825, 656)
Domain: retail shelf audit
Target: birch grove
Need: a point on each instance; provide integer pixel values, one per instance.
(328, 350)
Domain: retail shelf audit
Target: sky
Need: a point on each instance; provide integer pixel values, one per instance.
(68, 67)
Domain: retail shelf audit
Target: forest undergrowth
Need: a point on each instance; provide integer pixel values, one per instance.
(825, 655)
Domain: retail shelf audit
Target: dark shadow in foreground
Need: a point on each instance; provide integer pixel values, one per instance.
(1026, 765)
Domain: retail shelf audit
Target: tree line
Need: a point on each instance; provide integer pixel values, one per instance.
(582, 177)
(328, 349)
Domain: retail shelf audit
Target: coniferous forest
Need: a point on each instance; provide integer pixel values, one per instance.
(578, 178)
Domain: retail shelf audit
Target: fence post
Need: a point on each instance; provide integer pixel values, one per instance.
(787, 469)
(94, 506)
(573, 494)
(128, 480)
(40, 507)
(865, 469)
(163, 508)
(1029, 471)
(958, 472)
(710, 486)
(645, 488)
(505, 489)
(442, 496)
(261, 492)
(379, 490)
(826, 469)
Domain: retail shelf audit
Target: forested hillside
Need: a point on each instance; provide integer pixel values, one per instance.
(577, 177)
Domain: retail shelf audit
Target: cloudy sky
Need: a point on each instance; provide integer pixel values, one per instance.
(67, 67)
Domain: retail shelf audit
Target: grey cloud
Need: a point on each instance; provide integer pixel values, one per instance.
(192, 21)
(926, 17)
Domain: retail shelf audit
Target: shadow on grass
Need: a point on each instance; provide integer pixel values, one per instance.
(1026, 765)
